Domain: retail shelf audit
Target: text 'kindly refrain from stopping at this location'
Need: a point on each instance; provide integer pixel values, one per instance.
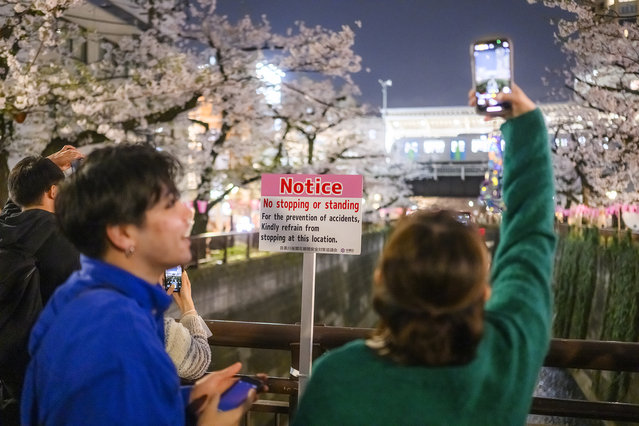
(311, 213)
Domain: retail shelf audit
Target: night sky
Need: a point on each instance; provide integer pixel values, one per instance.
(423, 45)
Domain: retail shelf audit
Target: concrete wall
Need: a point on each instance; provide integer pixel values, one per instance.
(268, 289)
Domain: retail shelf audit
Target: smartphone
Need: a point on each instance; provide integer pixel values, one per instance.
(173, 276)
(235, 396)
(492, 68)
(75, 164)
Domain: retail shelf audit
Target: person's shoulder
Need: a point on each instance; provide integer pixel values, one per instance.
(172, 328)
(107, 310)
(350, 353)
(41, 216)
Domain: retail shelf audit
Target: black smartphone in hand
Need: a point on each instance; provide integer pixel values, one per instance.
(492, 69)
(173, 277)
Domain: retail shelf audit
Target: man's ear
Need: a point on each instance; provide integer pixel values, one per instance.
(52, 192)
(120, 236)
(47, 202)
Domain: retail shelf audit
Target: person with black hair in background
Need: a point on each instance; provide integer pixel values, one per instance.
(97, 351)
(35, 258)
(28, 221)
(456, 344)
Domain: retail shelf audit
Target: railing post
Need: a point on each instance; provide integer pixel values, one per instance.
(226, 246)
(294, 372)
(248, 245)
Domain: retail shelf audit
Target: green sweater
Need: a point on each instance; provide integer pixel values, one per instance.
(353, 386)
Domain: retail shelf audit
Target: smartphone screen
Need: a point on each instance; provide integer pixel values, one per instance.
(492, 71)
(173, 276)
(234, 396)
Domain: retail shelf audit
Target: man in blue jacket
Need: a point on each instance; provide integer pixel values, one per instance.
(97, 350)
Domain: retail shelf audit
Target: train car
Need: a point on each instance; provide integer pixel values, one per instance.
(461, 148)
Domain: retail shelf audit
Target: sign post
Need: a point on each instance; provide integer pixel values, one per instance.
(310, 214)
(306, 322)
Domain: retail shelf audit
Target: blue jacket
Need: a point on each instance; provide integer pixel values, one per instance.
(97, 354)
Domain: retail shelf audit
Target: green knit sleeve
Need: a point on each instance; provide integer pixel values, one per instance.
(522, 266)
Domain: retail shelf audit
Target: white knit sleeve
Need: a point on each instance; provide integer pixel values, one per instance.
(187, 345)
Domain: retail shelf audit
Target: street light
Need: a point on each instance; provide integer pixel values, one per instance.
(385, 85)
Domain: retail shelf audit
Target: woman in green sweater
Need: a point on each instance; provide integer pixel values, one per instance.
(457, 344)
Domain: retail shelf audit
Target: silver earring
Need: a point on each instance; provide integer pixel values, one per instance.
(129, 251)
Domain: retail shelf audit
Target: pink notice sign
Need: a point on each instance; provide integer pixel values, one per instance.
(311, 213)
(341, 186)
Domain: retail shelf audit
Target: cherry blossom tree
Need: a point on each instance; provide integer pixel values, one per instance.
(598, 146)
(146, 84)
(49, 97)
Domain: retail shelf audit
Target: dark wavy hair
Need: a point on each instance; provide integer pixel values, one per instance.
(114, 185)
(429, 291)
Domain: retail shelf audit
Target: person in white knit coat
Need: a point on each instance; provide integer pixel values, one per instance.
(186, 340)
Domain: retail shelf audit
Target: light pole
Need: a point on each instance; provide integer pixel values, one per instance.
(387, 139)
(385, 85)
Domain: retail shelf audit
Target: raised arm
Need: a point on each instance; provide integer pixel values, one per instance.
(186, 341)
(522, 267)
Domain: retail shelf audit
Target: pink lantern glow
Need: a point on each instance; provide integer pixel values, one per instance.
(201, 206)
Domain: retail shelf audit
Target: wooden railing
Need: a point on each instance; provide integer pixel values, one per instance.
(563, 353)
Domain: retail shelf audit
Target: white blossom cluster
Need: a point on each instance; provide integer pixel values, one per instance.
(600, 153)
(145, 86)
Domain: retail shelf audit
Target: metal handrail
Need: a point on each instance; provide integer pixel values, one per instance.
(563, 353)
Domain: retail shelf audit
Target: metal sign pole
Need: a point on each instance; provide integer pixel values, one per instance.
(306, 328)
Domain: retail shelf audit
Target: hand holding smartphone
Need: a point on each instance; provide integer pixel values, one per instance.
(173, 277)
(235, 396)
(492, 69)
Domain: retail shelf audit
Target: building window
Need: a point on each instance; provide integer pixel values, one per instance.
(411, 149)
(480, 145)
(629, 9)
(78, 49)
(434, 147)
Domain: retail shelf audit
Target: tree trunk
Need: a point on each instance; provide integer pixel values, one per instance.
(4, 177)
(200, 221)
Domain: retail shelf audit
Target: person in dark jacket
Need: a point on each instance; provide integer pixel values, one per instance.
(29, 231)
(28, 222)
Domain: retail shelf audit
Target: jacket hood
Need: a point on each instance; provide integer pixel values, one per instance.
(97, 275)
(26, 230)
